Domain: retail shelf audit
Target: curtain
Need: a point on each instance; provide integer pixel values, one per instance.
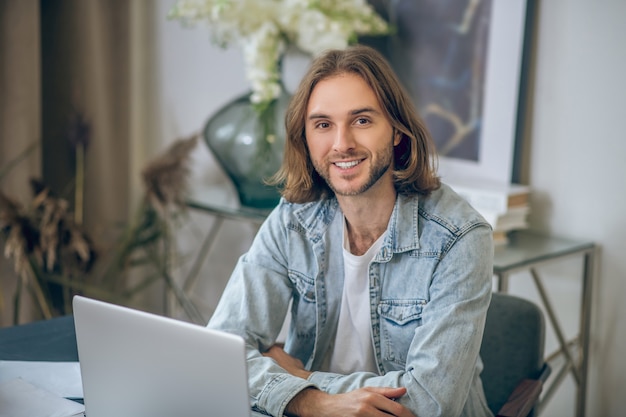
(20, 113)
(64, 59)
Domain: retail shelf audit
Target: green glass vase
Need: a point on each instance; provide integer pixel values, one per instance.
(248, 144)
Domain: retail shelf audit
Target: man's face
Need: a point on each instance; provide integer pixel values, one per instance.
(349, 138)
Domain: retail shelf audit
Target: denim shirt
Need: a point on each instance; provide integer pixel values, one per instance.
(430, 287)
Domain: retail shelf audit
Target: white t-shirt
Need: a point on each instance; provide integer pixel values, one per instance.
(354, 347)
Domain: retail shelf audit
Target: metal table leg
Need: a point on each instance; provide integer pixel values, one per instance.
(585, 326)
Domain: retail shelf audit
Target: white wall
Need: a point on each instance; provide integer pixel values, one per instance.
(576, 154)
(195, 79)
(578, 146)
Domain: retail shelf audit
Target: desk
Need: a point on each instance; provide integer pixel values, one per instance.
(51, 340)
(527, 251)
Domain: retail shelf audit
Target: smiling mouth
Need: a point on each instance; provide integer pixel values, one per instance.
(348, 164)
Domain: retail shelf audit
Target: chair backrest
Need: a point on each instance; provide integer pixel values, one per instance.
(512, 348)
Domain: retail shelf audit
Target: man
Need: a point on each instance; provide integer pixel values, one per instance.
(387, 271)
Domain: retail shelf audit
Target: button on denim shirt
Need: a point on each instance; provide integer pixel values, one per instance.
(430, 287)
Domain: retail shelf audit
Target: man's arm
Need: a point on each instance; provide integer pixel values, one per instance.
(369, 401)
(363, 402)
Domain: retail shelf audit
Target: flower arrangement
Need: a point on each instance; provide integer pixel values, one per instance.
(265, 28)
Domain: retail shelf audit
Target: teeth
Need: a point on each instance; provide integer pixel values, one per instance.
(345, 165)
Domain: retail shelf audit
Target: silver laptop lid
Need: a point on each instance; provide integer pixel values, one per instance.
(137, 364)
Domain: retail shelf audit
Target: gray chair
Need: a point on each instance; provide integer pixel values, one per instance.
(513, 354)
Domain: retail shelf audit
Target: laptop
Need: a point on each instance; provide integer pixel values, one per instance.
(138, 364)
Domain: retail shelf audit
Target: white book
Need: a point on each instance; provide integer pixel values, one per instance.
(513, 218)
(19, 398)
(490, 196)
(60, 378)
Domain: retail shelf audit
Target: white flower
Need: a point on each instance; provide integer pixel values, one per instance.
(262, 51)
(319, 33)
(264, 29)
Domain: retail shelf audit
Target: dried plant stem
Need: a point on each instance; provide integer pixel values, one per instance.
(67, 297)
(92, 290)
(35, 288)
(37, 293)
(145, 283)
(19, 158)
(115, 267)
(17, 297)
(189, 307)
(194, 271)
(1, 298)
(29, 279)
(80, 184)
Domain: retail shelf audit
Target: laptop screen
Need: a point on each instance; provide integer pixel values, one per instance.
(139, 364)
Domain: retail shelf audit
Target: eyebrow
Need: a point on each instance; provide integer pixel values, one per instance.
(354, 112)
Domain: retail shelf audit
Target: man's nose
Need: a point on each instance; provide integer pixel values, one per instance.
(344, 139)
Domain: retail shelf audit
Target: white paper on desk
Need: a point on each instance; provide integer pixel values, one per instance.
(59, 378)
(18, 398)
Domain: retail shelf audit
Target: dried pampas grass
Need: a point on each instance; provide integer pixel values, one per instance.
(41, 240)
(165, 177)
(47, 244)
(20, 234)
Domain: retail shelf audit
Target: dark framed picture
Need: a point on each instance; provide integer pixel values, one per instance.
(463, 63)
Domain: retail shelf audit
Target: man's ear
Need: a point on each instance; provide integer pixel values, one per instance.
(397, 137)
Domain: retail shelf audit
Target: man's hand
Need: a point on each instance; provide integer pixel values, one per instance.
(290, 364)
(363, 402)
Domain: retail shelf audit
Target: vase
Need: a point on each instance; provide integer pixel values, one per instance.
(248, 144)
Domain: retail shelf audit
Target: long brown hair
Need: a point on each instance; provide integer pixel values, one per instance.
(415, 156)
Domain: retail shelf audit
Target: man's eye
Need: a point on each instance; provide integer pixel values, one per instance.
(322, 125)
(362, 121)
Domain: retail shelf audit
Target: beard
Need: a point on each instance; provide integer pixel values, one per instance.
(379, 166)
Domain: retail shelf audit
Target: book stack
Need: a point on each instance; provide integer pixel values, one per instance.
(504, 206)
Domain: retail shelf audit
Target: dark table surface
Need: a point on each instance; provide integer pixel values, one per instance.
(45, 340)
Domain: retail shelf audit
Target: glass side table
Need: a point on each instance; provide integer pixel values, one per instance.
(525, 252)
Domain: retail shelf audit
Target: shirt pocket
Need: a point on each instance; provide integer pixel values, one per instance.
(301, 334)
(398, 321)
(305, 285)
